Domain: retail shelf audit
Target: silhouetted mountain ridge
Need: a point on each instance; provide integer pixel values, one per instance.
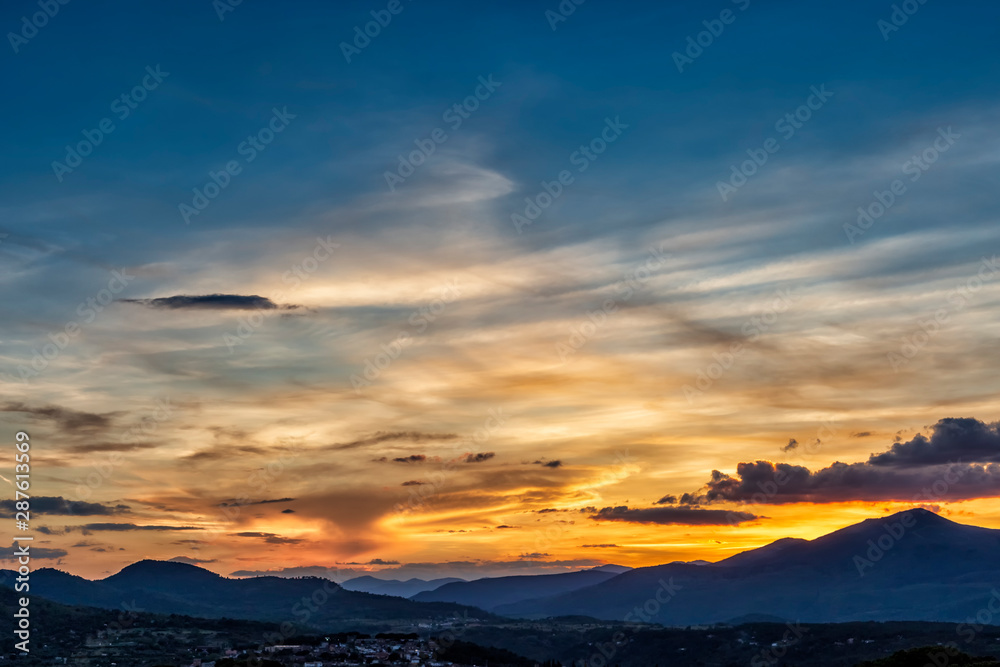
(178, 588)
(913, 565)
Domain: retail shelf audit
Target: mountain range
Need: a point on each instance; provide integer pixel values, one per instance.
(490, 593)
(913, 565)
(403, 589)
(167, 587)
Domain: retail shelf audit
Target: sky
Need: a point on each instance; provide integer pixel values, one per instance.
(494, 288)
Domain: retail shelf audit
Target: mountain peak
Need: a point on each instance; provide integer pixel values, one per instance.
(163, 568)
(918, 513)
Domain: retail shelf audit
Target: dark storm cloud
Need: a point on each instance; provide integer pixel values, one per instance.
(776, 484)
(478, 458)
(67, 420)
(952, 439)
(959, 461)
(686, 516)
(211, 302)
(62, 506)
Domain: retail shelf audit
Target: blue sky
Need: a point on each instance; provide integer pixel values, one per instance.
(503, 300)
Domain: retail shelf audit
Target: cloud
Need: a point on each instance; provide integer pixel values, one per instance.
(471, 569)
(959, 461)
(91, 447)
(42, 552)
(191, 561)
(386, 436)
(67, 420)
(668, 499)
(775, 484)
(271, 538)
(792, 444)
(61, 506)
(232, 502)
(478, 458)
(413, 482)
(301, 571)
(223, 452)
(952, 439)
(288, 511)
(120, 527)
(211, 302)
(599, 546)
(548, 464)
(686, 516)
(412, 458)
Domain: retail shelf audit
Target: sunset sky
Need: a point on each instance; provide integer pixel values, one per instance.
(245, 330)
